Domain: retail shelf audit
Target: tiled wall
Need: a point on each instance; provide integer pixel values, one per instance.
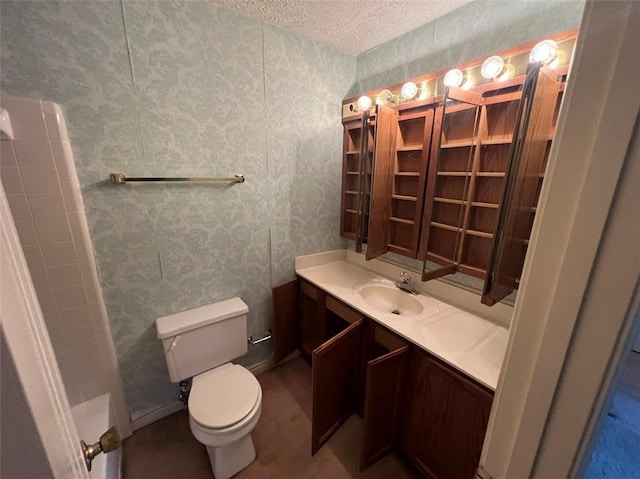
(43, 192)
(186, 89)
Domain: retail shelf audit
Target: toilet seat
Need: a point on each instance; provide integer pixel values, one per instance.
(223, 397)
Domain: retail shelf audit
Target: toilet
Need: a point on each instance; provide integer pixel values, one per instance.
(226, 399)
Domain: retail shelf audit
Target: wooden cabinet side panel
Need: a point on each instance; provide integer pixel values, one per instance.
(335, 368)
(286, 334)
(446, 422)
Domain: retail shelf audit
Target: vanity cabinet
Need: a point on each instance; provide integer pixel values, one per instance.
(446, 419)
(357, 365)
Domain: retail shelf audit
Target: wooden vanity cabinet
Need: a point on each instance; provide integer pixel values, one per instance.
(356, 365)
(446, 419)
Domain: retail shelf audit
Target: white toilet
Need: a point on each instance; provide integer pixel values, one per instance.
(226, 399)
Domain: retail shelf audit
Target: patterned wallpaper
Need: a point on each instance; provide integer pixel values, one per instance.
(476, 29)
(190, 88)
(169, 88)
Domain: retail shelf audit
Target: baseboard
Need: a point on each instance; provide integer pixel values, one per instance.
(176, 406)
(156, 415)
(265, 366)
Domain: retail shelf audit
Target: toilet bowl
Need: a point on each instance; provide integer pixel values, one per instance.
(225, 401)
(223, 422)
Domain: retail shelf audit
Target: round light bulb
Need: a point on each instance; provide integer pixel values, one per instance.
(409, 90)
(453, 78)
(545, 51)
(492, 67)
(364, 103)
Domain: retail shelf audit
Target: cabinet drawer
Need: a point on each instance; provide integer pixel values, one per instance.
(342, 310)
(309, 290)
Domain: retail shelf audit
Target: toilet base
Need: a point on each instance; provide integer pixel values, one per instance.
(232, 458)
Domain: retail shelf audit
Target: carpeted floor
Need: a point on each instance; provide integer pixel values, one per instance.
(617, 452)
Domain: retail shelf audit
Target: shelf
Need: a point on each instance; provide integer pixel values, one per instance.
(449, 201)
(436, 258)
(401, 220)
(480, 204)
(351, 211)
(446, 227)
(410, 148)
(490, 174)
(453, 173)
(461, 144)
(352, 152)
(407, 173)
(480, 234)
(472, 270)
(496, 141)
(394, 248)
(404, 198)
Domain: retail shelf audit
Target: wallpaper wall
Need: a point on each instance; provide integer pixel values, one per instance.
(186, 89)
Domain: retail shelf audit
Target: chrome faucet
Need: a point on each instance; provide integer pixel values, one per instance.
(404, 283)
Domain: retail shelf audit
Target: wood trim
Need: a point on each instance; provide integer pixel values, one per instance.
(464, 96)
(286, 321)
(350, 315)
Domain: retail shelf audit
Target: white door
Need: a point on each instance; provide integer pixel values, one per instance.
(31, 353)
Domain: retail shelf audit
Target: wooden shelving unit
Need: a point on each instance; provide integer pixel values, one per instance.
(352, 180)
(413, 142)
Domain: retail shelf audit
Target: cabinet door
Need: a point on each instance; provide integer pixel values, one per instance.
(285, 320)
(334, 382)
(454, 159)
(384, 152)
(384, 386)
(520, 192)
(446, 422)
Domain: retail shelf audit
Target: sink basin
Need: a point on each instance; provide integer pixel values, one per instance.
(390, 299)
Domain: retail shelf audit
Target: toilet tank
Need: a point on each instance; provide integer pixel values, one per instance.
(203, 338)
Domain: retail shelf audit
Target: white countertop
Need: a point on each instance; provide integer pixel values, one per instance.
(467, 342)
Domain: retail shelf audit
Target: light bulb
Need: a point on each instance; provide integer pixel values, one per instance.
(364, 103)
(409, 90)
(492, 67)
(453, 78)
(424, 91)
(545, 51)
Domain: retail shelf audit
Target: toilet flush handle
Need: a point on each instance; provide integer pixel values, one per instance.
(174, 343)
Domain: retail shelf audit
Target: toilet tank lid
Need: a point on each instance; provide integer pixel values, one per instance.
(173, 324)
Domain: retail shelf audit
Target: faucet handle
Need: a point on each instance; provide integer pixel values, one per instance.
(405, 278)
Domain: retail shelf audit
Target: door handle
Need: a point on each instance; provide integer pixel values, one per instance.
(109, 441)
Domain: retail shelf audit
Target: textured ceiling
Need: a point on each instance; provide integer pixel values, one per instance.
(352, 26)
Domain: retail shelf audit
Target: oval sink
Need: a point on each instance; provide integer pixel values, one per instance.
(391, 300)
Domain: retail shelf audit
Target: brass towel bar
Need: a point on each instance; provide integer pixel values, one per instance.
(121, 179)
